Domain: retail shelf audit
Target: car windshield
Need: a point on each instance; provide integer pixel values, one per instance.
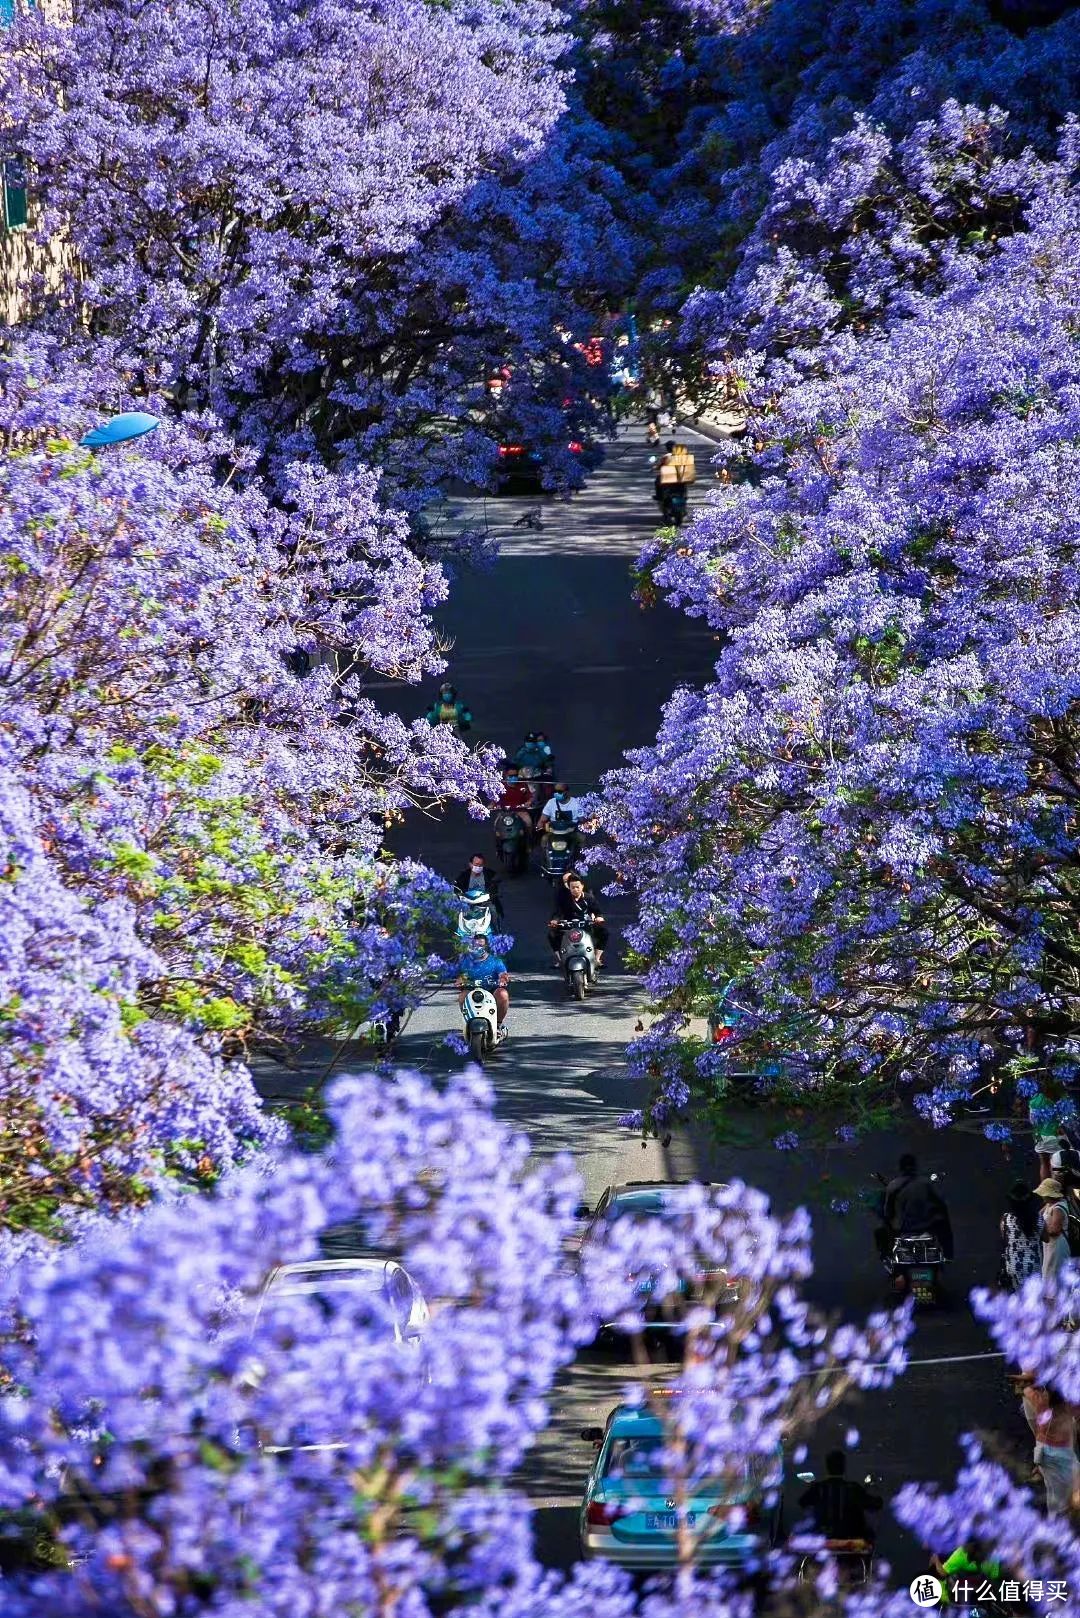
(330, 1291)
(641, 1203)
(636, 1457)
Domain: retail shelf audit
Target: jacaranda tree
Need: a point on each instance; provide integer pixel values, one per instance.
(323, 221)
(180, 1438)
(202, 822)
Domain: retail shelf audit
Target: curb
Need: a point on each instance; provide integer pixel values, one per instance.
(710, 430)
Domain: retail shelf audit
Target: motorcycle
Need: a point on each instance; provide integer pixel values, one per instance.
(481, 1016)
(673, 504)
(511, 843)
(474, 917)
(853, 1558)
(577, 956)
(914, 1261)
(560, 848)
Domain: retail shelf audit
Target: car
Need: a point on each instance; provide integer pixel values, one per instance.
(377, 1291)
(394, 1296)
(628, 1516)
(651, 1199)
(521, 465)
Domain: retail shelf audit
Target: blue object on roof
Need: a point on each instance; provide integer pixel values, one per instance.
(119, 429)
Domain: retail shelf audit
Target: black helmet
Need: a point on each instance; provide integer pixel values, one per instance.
(447, 690)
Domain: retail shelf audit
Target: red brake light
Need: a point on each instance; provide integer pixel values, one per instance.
(575, 447)
(599, 1515)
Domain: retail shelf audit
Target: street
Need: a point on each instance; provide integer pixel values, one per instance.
(551, 639)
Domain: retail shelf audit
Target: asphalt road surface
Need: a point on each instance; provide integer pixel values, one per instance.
(551, 639)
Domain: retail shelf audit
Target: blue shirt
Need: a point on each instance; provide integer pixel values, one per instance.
(492, 966)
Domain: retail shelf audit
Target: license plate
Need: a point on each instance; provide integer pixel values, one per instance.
(922, 1277)
(668, 1520)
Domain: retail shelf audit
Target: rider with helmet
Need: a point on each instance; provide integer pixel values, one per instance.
(535, 751)
(449, 709)
(481, 965)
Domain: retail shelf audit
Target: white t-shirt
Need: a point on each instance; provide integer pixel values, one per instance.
(553, 807)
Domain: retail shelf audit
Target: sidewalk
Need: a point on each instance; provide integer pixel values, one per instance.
(716, 425)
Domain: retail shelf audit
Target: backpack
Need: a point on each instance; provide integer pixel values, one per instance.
(683, 460)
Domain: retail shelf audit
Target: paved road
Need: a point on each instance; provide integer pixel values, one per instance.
(552, 639)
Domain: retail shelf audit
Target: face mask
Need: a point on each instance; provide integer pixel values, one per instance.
(477, 870)
(561, 797)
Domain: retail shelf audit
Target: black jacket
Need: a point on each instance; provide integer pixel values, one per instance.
(912, 1205)
(491, 880)
(567, 908)
(840, 1506)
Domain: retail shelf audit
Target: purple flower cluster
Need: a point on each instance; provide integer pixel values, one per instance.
(334, 225)
(866, 820)
(231, 1445)
(194, 832)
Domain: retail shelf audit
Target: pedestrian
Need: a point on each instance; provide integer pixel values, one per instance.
(1041, 1112)
(1021, 1249)
(1053, 1426)
(652, 434)
(1053, 1218)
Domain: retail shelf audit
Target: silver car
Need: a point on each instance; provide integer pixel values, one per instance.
(628, 1516)
(393, 1295)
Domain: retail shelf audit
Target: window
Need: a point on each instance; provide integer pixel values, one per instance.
(14, 192)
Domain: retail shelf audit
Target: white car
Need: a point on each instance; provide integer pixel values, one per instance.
(388, 1284)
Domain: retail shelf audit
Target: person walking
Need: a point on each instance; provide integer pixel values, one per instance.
(1053, 1426)
(1053, 1218)
(1021, 1249)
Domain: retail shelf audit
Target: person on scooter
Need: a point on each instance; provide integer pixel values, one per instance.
(560, 804)
(481, 966)
(912, 1206)
(574, 902)
(562, 807)
(516, 797)
(449, 709)
(839, 1505)
(534, 752)
(477, 878)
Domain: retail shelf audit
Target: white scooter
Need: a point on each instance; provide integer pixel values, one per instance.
(577, 956)
(481, 1016)
(474, 917)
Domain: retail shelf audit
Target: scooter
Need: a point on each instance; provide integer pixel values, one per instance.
(481, 1016)
(474, 917)
(673, 504)
(854, 1558)
(560, 848)
(511, 843)
(577, 956)
(915, 1262)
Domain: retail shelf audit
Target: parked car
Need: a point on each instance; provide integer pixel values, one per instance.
(393, 1297)
(645, 1199)
(376, 1294)
(521, 465)
(629, 1517)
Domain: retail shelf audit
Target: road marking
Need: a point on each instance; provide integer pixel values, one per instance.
(947, 1359)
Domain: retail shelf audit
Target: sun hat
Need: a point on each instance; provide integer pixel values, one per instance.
(1049, 1188)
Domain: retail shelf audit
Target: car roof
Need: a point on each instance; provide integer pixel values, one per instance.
(654, 1185)
(630, 1421)
(361, 1272)
(651, 1193)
